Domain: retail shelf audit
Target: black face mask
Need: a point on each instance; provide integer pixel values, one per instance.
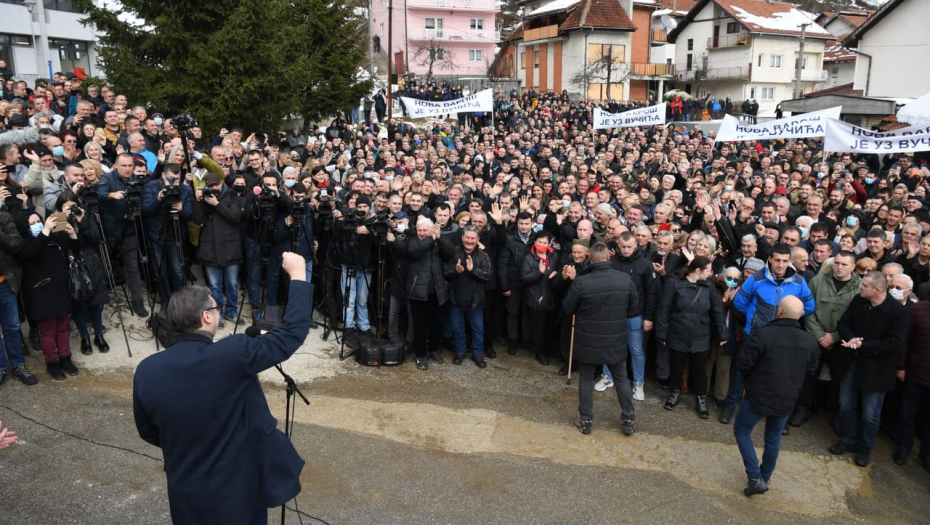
(238, 188)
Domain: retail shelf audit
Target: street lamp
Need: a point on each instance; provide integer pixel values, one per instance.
(37, 7)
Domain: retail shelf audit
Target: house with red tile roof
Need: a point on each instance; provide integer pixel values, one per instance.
(748, 50)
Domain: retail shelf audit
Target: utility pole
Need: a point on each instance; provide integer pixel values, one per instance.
(390, 58)
(800, 63)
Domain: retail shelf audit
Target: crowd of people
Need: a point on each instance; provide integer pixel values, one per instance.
(468, 238)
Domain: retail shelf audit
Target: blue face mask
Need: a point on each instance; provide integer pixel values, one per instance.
(731, 283)
(821, 175)
(537, 227)
(58, 151)
(159, 121)
(728, 187)
(289, 183)
(870, 180)
(803, 231)
(389, 178)
(36, 229)
(44, 126)
(851, 221)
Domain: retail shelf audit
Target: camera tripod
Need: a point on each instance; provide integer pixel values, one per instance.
(134, 214)
(108, 270)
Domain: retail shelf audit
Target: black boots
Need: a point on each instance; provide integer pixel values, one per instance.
(702, 407)
(54, 370)
(101, 344)
(673, 400)
(86, 349)
(68, 366)
(512, 347)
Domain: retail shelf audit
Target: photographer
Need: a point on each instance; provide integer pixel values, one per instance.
(354, 242)
(120, 194)
(72, 176)
(261, 213)
(167, 205)
(217, 212)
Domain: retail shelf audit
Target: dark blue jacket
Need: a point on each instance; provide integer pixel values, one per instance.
(202, 404)
(305, 242)
(112, 212)
(154, 212)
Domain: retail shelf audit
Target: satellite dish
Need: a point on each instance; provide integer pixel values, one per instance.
(669, 22)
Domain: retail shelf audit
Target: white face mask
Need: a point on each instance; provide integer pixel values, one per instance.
(897, 294)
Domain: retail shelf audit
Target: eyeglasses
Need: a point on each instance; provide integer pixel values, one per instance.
(217, 308)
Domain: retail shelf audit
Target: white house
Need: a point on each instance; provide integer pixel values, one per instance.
(839, 61)
(747, 49)
(891, 46)
(70, 43)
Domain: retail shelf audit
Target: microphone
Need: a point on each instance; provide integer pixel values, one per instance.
(254, 331)
(256, 190)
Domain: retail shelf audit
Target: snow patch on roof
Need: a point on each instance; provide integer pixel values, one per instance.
(554, 6)
(790, 20)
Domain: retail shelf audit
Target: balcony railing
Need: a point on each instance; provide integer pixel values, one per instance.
(446, 35)
(739, 39)
(540, 33)
(642, 69)
(658, 36)
(813, 75)
(466, 5)
(719, 73)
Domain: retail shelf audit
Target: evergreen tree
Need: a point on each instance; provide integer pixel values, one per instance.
(233, 62)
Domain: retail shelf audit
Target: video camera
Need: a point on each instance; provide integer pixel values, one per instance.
(381, 225)
(134, 196)
(325, 210)
(353, 218)
(298, 209)
(267, 202)
(184, 122)
(172, 194)
(88, 198)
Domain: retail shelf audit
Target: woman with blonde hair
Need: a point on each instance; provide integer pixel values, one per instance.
(93, 170)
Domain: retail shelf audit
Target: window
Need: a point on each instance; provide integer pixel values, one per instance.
(476, 23)
(775, 61)
(382, 28)
(475, 55)
(73, 54)
(535, 58)
(6, 48)
(768, 93)
(752, 92)
(430, 23)
(597, 52)
(438, 53)
(760, 59)
(601, 91)
(523, 60)
(803, 63)
(60, 5)
(836, 70)
(690, 44)
(689, 62)
(732, 27)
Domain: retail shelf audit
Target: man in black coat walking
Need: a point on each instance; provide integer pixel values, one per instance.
(774, 364)
(602, 299)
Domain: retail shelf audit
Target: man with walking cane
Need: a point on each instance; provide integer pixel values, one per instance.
(601, 300)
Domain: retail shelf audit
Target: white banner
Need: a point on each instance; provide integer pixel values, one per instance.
(843, 137)
(649, 116)
(811, 124)
(480, 101)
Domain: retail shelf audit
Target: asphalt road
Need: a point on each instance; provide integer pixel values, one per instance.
(454, 445)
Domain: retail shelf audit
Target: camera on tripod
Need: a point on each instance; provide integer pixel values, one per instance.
(298, 209)
(381, 225)
(267, 202)
(88, 197)
(184, 122)
(134, 196)
(172, 194)
(324, 210)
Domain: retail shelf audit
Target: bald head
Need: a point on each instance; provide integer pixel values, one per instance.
(790, 308)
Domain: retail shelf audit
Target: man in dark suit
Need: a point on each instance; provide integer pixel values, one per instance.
(602, 300)
(202, 404)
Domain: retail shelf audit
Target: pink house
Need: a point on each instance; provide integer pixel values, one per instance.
(457, 33)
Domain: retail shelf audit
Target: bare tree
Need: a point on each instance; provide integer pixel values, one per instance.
(431, 55)
(607, 69)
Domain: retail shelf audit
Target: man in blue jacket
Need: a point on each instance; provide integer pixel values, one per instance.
(202, 404)
(167, 205)
(758, 299)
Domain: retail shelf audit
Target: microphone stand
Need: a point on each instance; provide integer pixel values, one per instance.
(290, 409)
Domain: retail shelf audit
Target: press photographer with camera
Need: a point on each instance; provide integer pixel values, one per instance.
(263, 207)
(121, 196)
(167, 205)
(218, 213)
(355, 249)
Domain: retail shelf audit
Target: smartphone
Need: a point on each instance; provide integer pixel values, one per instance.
(656, 257)
(13, 199)
(62, 223)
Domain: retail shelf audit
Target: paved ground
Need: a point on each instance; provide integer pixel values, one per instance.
(454, 445)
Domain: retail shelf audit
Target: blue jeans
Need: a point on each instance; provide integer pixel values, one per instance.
(9, 321)
(871, 411)
(168, 260)
(96, 316)
(746, 419)
(735, 393)
(634, 342)
(273, 270)
(459, 314)
(217, 277)
(357, 302)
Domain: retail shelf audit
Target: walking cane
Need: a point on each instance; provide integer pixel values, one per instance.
(571, 352)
